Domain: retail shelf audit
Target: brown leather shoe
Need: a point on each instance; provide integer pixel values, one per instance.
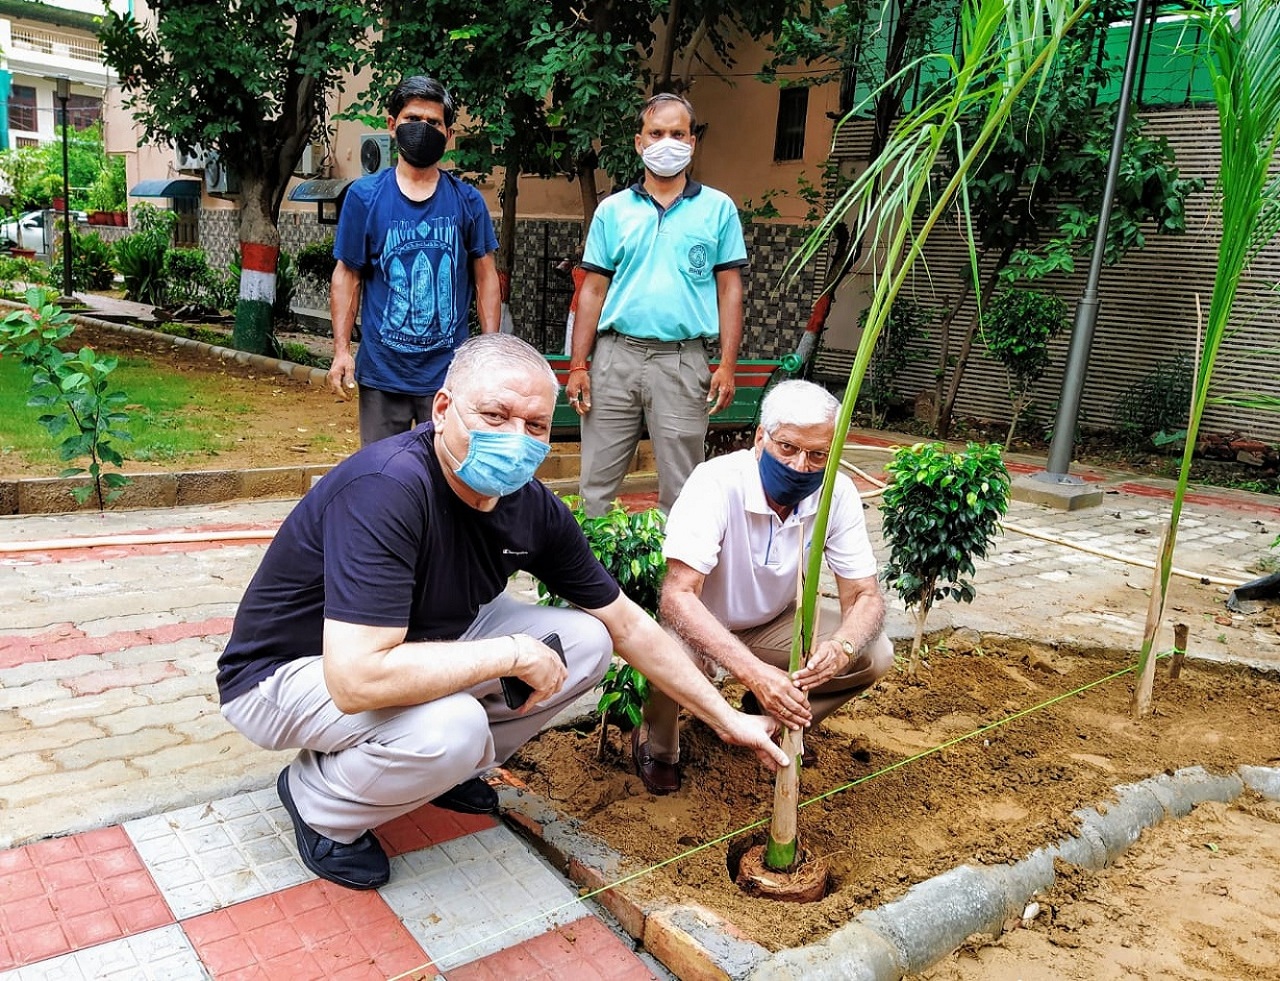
(658, 777)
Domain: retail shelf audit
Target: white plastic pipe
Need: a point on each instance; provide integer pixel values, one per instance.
(160, 538)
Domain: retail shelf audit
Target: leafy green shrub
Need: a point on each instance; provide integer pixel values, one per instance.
(1158, 403)
(940, 513)
(630, 547)
(190, 282)
(315, 262)
(91, 267)
(139, 258)
(1017, 327)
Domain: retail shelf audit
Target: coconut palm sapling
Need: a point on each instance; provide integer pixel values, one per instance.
(1242, 42)
(1006, 49)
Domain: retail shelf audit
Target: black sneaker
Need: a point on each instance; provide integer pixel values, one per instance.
(472, 796)
(360, 865)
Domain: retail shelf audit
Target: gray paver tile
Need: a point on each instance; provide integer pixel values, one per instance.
(157, 955)
(212, 855)
(472, 896)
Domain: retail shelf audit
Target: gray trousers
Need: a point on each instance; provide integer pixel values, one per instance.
(771, 642)
(384, 414)
(635, 384)
(355, 772)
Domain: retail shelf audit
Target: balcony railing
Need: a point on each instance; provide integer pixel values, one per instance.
(56, 43)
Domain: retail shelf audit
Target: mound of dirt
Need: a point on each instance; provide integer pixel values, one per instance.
(883, 824)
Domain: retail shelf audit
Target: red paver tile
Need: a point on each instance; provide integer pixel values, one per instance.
(429, 826)
(583, 950)
(639, 501)
(313, 932)
(63, 894)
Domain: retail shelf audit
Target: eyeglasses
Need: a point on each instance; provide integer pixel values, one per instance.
(789, 452)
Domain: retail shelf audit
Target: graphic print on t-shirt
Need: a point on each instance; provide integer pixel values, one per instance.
(417, 259)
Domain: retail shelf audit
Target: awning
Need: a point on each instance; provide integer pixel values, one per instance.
(326, 193)
(166, 188)
(320, 189)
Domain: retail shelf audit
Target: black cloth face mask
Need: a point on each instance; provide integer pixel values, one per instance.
(421, 144)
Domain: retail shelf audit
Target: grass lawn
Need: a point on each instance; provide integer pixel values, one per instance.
(171, 417)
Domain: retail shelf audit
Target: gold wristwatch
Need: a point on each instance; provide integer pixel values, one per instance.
(847, 647)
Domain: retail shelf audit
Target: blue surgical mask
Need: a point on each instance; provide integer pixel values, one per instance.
(498, 463)
(785, 486)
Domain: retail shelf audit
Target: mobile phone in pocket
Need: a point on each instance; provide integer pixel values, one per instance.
(516, 691)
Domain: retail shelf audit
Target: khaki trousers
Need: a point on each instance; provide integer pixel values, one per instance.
(771, 642)
(637, 384)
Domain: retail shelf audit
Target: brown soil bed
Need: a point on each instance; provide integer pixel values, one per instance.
(1192, 899)
(990, 799)
(288, 422)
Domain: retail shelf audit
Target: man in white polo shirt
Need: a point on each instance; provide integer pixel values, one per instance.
(735, 538)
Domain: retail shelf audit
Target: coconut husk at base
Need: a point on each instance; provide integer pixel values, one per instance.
(806, 883)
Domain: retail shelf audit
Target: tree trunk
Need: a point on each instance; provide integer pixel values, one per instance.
(947, 406)
(944, 350)
(663, 82)
(913, 665)
(259, 256)
(508, 196)
(587, 187)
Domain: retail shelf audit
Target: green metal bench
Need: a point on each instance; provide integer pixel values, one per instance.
(751, 380)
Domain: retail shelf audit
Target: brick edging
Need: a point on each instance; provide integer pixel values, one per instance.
(52, 495)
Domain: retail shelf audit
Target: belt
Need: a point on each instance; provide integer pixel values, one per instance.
(654, 345)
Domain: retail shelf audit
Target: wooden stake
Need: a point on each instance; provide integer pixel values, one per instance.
(1140, 703)
(1180, 631)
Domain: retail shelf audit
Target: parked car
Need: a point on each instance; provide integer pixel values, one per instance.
(28, 232)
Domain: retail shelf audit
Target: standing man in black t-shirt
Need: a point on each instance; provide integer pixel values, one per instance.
(375, 634)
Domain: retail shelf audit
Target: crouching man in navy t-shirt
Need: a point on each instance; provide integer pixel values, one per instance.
(375, 634)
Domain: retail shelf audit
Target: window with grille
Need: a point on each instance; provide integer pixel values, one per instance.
(793, 108)
(22, 108)
(82, 111)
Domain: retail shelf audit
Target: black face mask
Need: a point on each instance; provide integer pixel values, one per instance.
(421, 144)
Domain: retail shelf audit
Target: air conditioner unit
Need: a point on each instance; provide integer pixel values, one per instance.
(189, 163)
(218, 178)
(309, 165)
(376, 152)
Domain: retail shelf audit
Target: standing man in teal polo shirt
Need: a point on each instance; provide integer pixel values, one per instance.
(664, 265)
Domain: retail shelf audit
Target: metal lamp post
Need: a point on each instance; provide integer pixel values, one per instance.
(1064, 431)
(62, 92)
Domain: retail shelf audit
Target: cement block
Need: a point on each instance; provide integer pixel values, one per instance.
(1062, 496)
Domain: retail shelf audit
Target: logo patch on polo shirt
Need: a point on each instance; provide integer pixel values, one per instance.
(697, 257)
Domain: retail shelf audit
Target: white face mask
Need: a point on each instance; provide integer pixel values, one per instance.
(667, 157)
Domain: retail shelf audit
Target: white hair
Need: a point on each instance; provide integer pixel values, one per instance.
(797, 403)
(479, 358)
